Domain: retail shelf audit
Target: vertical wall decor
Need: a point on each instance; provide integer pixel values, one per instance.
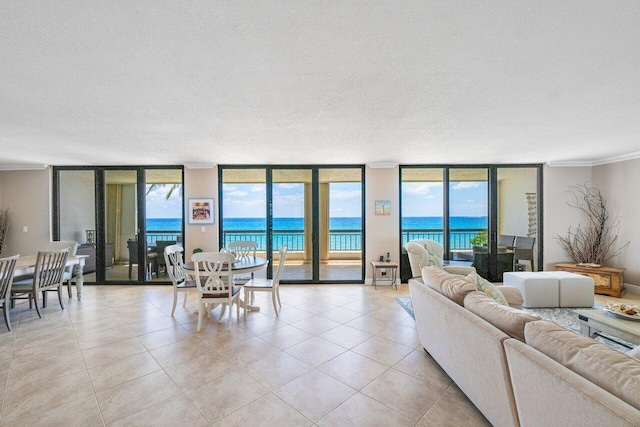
(532, 211)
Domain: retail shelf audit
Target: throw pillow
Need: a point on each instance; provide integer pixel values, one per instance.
(452, 286)
(490, 289)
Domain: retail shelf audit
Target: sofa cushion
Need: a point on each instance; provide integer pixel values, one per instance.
(490, 289)
(634, 352)
(452, 286)
(509, 320)
(609, 369)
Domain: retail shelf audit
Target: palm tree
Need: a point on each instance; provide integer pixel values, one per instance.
(172, 188)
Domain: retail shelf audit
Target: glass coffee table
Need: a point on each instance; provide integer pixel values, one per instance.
(594, 321)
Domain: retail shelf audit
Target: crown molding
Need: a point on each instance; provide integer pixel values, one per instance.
(616, 159)
(598, 162)
(23, 167)
(570, 164)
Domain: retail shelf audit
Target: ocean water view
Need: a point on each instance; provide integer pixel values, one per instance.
(346, 232)
(336, 223)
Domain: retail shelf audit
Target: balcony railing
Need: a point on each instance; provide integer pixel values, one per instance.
(339, 240)
(460, 238)
(155, 235)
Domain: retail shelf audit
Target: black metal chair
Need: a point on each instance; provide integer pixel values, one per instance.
(160, 245)
(150, 263)
(524, 251)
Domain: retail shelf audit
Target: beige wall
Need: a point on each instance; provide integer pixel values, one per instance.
(27, 194)
(558, 216)
(201, 183)
(617, 182)
(382, 231)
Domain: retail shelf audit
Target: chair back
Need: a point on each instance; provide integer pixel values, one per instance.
(243, 248)
(276, 278)
(160, 246)
(175, 263)
(213, 274)
(132, 245)
(7, 268)
(49, 270)
(64, 244)
(506, 240)
(524, 249)
(423, 253)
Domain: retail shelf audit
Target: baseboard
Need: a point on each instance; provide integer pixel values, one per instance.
(632, 289)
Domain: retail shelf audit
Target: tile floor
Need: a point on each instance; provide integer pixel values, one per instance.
(337, 355)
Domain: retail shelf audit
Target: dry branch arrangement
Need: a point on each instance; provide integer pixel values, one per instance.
(4, 215)
(594, 244)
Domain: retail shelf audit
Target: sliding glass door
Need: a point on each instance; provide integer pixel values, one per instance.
(122, 218)
(315, 211)
(478, 214)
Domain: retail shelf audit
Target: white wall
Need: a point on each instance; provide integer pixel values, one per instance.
(617, 182)
(558, 216)
(513, 216)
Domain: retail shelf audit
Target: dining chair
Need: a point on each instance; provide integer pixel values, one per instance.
(160, 246)
(47, 277)
(214, 281)
(523, 250)
(7, 268)
(265, 285)
(243, 248)
(174, 264)
(150, 263)
(73, 249)
(506, 240)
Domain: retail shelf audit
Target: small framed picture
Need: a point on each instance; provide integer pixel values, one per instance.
(383, 207)
(201, 211)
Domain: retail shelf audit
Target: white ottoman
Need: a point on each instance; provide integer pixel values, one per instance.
(538, 290)
(576, 290)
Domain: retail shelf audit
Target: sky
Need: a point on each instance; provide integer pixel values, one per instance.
(249, 200)
(425, 199)
(159, 207)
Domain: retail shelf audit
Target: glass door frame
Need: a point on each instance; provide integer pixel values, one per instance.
(492, 214)
(100, 214)
(315, 192)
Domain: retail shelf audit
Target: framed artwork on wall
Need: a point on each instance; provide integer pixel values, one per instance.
(201, 211)
(383, 207)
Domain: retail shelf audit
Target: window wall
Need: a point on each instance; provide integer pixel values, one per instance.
(316, 211)
(487, 216)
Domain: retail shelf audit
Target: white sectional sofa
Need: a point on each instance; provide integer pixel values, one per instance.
(516, 369)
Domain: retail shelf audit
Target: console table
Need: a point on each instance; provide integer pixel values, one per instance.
(607, 280)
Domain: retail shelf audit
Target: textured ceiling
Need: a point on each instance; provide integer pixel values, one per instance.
(317, 82)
